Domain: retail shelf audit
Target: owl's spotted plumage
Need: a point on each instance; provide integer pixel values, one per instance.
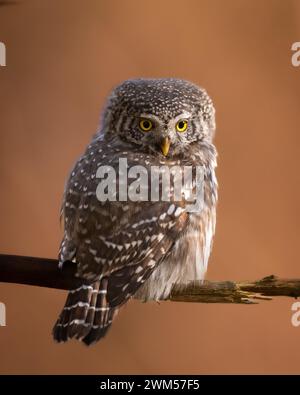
(126, 249)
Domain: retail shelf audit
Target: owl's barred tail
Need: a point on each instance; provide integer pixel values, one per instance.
(87, 315)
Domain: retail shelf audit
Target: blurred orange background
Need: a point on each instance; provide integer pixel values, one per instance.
(63, 58)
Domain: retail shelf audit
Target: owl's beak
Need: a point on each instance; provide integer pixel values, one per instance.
(165, 145)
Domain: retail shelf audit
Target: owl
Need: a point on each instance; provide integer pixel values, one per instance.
(137, 248)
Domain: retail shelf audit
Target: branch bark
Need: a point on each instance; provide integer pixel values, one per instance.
(44, 272)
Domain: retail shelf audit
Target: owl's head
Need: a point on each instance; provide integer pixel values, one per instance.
(167, 116)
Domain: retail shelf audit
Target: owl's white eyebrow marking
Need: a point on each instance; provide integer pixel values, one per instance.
(152, 117)
(183, 115)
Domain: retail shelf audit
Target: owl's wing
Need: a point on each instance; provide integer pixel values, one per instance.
(145, 242)
(124, 241)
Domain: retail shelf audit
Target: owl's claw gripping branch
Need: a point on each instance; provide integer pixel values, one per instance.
(44, 272)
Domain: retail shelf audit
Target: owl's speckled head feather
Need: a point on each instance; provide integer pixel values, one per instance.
(166, 115)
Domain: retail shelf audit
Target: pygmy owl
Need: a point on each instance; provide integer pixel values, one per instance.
(125, 248)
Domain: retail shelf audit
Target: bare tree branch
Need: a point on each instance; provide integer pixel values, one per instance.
(44, 272)
(236, 292)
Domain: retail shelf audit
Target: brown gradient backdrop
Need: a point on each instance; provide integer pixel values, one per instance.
(63, 57)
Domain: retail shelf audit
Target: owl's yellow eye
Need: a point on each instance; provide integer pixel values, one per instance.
(146, 125)
(181, 126)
